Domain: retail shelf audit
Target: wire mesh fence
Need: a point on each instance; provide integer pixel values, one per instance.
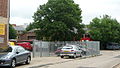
(43, 48)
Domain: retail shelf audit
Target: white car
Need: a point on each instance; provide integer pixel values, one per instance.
(72, 51)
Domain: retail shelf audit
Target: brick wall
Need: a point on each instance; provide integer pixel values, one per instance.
(27, 36)
(3, 8)
(4, 20)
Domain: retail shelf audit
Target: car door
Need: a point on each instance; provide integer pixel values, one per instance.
(20, 54)
(24, 54)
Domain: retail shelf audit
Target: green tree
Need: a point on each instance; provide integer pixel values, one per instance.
(58, 20)
(12, 32)
(105, 29)
(30, 27)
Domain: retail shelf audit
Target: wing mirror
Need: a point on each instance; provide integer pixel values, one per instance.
(17, 52)
(79, 48)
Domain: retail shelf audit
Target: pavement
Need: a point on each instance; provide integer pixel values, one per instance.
(108, 59)
(44, 61)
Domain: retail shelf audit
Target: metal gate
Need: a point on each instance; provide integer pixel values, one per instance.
(43, 48)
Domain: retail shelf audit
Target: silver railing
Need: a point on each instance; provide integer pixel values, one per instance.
(43, 48)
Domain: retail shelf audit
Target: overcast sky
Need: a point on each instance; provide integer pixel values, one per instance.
(21, 11)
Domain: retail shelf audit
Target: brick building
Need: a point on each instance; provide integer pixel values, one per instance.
(3, 8)
(4, 19)
(28, 36)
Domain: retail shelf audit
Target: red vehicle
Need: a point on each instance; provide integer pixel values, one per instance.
(86, 37)
(26, 45)
(30, 41)
(57, 52)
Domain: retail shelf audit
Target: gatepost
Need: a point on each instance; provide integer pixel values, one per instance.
(3, 33)
(4, 19)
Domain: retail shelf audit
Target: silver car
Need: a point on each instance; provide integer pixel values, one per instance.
(14, 55)
(72, 51)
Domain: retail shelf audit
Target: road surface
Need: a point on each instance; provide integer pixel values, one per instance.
(108, 59)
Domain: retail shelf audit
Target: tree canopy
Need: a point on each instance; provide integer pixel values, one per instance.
(30, 27)
(12, 32)
(105, 29)
(58, 20)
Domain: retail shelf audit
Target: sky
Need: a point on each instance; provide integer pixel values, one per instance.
(21, 11)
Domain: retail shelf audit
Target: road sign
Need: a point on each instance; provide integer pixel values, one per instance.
(2, 29)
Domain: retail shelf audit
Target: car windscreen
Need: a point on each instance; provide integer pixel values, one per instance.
(67, 47)
(81, 46)
(59, 48)
(9, 49)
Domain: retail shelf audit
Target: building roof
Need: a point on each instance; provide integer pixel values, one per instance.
(19, 28)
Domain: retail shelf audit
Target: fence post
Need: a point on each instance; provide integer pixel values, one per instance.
(33, 53)
(40, 48)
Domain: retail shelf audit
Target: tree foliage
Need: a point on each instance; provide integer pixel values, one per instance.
(105, 29)
(30, 27)
(12, 32)
(58, 20)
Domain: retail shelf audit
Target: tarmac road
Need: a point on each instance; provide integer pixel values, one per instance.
(108, 59)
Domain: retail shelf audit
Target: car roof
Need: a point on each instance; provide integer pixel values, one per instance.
(70, 46)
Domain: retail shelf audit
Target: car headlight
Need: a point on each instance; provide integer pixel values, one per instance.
(5, 57)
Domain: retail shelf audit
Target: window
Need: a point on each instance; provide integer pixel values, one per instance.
(20, 49)
(67, 47)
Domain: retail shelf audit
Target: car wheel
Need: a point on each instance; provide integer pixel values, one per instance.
(80, 55)
(62, 56)
(28, 60)
(74, 56)
(13, 62)
(69, 56)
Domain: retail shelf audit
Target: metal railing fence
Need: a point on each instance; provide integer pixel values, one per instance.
(43, 48)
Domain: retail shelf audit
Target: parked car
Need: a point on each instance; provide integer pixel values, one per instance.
(25, 45)
(14, 55)
(58, 51)
(30, 41)
(84, 50)
(11, 43)
(71, 51)
(113, 46)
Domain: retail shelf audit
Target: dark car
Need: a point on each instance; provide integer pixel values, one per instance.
(83, 48)
(14, 55)
(113, 46)
(57, 52)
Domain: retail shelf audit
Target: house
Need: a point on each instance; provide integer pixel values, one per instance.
(30, 35)
(22, 34)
